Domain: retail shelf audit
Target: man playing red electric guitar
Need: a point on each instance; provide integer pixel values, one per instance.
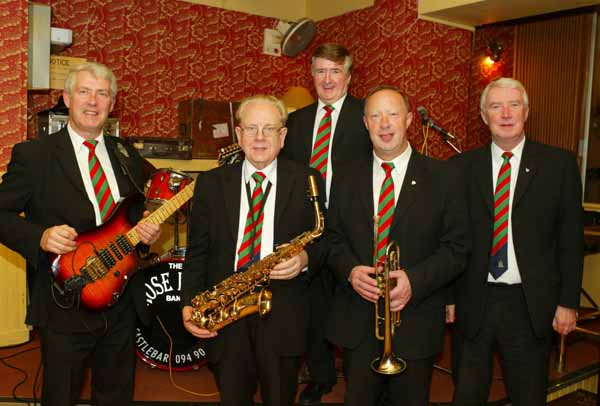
(66, 184)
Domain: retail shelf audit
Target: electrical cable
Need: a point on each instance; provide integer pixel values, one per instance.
(171, 368)
(23, 372)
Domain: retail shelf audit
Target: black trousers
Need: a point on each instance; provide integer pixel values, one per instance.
(247, 359)
(507, 328)
(320, 356)
(367, 388)
(109, 352)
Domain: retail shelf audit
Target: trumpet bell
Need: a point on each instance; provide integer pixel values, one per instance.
(388, 365)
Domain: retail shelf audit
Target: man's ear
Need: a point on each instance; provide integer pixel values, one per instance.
(66, 98)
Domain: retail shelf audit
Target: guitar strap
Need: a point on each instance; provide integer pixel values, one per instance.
(124, 167)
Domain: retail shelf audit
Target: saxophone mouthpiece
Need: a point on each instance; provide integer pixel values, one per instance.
(313, 189)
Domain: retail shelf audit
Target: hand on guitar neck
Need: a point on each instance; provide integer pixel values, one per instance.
(147, 232)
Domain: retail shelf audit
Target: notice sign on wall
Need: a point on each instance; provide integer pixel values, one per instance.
(60, 67)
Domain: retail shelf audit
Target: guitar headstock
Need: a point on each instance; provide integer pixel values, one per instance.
(230, 155)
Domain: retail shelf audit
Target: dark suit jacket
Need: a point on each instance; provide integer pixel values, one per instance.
(212, 243)
(430, 226)
(350, 140)
(43, 181)
(547, 227)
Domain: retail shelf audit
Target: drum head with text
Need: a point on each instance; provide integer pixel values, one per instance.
(163, 297)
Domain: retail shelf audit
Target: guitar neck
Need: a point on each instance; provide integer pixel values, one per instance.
(159, 215)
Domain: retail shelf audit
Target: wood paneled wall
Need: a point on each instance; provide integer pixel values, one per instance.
(552, 61)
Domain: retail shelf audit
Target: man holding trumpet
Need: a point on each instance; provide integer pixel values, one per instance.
(417, 203)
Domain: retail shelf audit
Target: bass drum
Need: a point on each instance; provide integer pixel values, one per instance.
(163, 297)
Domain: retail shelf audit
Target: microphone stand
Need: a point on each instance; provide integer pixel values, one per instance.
(445, 138)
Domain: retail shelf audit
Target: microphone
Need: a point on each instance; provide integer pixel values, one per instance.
(427, 121)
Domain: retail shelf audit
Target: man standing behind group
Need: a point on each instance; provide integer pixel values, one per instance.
(421, 207)
(324, 135)
(524, 274)
(50, 180)
(242, 213)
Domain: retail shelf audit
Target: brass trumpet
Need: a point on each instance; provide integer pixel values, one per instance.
(388, 363)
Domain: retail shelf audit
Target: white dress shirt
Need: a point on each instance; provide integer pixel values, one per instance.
(82, 153)
(512, 275)
(268, 227)
(398, 174)
(335, 114)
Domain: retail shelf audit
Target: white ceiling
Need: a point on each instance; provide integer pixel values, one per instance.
(468, 14)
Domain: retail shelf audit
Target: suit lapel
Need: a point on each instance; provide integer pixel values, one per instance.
(413, 180)
(342, 119)
(483, 174)
(365, 189)
(231, 196)
(311, 113)
(527, 169)
(65, 156)
(112, 147)
(285, 184)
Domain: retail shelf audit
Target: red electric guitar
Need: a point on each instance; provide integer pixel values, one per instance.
(105, 257)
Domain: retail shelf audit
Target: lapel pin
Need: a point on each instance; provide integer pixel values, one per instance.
(527, 170)
(413, 182)
(122, 150)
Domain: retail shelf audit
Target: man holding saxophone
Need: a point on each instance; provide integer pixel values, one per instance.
(240, 215)
(416, 202)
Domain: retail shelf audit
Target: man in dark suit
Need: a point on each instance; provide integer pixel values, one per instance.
(420, 206)
(49, 180)
(524, 274)
(225, 239)
(341, 138)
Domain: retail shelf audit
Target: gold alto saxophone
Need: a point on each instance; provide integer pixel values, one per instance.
(388, 363)
(245, 293)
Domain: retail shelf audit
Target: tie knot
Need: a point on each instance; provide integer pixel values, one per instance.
(91, 144)
(387, 167)
(328, 108)
(507, 155)
(258, 178)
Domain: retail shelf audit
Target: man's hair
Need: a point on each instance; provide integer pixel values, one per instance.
(505, 83)
(335, 53)
(97, 70)
(262, 98)
(392, 88)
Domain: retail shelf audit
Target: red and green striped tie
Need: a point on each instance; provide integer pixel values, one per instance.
(320, 152)
(499, 259)
(249, 250)
(385, 210)
(106, 204)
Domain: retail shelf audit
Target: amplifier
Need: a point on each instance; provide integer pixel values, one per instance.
(50, 123)
(165, 148)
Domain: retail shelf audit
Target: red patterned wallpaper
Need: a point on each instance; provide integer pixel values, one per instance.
(482, 73)
(13, 76)
(167, 51)
(163, 52)
(430, 62)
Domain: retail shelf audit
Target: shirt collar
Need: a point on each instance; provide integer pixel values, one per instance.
(337, 106)
(269, 171)
(516, 151)
(400, 161)
(77, 140)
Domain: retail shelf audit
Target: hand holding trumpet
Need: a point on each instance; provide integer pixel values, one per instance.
(363, 282)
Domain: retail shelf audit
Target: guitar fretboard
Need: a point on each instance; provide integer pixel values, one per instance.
(159, 215)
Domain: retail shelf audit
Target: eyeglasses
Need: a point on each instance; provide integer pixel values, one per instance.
(267, 131)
